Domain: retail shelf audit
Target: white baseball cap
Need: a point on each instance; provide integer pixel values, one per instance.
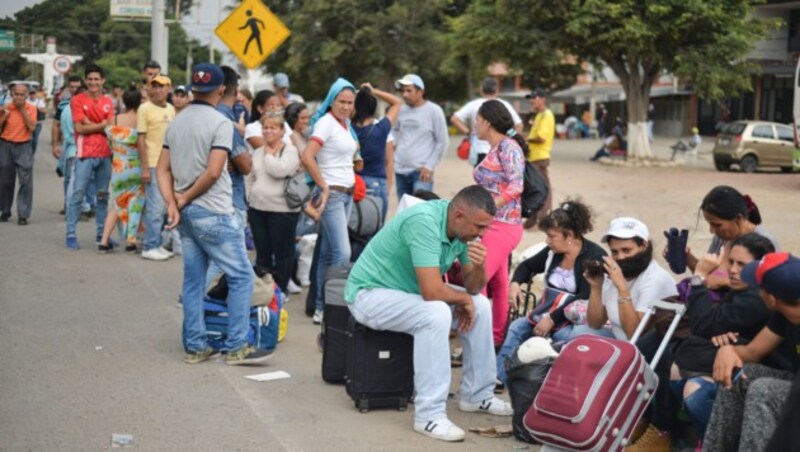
(626, 228)
(410, 80)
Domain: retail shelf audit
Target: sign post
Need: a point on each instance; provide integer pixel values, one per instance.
(7, 40)
(252, 32)
(61, 64)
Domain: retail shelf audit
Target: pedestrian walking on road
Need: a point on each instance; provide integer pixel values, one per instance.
(153, 117)
(378, 170)
(464, 120)
(328, 159)
(540, 143)
(501, 174)
(91, 113)
(420, 138)
(127, 190)
(18, 123)
(197, 190)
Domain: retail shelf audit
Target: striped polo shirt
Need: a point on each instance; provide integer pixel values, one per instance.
(15, 130)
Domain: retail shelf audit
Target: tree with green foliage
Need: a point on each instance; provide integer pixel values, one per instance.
(509, 32)
(367, 40)
(85, 27)
(704, 41)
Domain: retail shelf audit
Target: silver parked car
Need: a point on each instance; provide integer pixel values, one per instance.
(754, 144)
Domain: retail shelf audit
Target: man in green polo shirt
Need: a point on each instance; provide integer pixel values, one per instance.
(397, 285)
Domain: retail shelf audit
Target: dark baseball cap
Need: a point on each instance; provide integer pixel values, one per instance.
(777, 273)
(206, 77)
(538, 92)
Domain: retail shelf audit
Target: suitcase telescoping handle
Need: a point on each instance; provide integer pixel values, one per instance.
(679, 310)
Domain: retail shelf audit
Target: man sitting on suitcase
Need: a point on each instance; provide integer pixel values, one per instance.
(397, 285)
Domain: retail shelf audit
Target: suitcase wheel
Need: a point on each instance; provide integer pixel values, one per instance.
(402, 406)
(362, 405)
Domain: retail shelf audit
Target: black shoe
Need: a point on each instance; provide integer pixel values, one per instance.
(105, 249)
(130, 248)
(62, 212)
(4, 218)
(90, 213)
(22, 222)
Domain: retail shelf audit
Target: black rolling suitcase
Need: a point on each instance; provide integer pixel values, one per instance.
(380, 367)
(334, 324)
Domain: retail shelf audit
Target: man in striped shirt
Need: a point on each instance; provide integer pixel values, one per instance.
(17, 121)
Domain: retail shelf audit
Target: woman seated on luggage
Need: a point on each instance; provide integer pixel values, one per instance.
(562, 262)
(633, 281)
(730, 215)
(736, 318)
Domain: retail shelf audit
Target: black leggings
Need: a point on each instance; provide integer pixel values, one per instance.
(274, 237)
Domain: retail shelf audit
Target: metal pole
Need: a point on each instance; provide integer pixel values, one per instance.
(158, 51)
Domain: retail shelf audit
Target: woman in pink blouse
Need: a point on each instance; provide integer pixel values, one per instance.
(501, 173)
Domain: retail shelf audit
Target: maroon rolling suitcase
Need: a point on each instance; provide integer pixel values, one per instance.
(596, 391)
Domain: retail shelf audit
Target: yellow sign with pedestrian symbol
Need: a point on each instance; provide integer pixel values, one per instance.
(252, 32)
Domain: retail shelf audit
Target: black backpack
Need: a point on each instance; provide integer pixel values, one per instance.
(534, 191)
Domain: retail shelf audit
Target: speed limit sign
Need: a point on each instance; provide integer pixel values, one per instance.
(62, 64)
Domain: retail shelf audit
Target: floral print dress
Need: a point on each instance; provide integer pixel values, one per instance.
(127, 190)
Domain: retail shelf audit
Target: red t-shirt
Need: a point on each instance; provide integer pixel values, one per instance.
(92, 145)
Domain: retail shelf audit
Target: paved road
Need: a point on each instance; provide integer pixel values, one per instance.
(92, 343)
(92, 347)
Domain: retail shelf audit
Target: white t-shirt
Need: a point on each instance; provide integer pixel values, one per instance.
(254, 129)
(469, 112)
(653, 284)
(338, 148)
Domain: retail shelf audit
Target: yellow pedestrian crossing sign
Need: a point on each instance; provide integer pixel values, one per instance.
(252, 32)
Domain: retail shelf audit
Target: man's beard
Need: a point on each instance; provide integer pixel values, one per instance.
(634, 266)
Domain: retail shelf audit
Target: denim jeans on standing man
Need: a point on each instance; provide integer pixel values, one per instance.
(334, 241)
(409, 183)
(208, 236)
(85, 171)
(154, 212)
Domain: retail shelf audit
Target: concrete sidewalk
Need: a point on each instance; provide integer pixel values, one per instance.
(92, 347)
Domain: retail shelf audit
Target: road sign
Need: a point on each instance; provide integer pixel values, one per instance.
(132, 8)
(252, 32)
(61, 64)
(7, 40)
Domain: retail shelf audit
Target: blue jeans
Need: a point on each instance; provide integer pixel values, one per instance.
(90, 191)
(572, 331)
(35, 138)
(334, 241)
(154, 212)
(85, 171)
(519, 331)
(208, 236)
(376, 186)
(214, 270)
(407, 184)
(699, 403)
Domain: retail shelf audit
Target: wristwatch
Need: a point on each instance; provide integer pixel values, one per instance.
(697, 280)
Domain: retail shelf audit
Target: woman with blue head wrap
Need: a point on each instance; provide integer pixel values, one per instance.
(328, 159)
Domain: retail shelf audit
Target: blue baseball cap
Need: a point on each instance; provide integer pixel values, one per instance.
(409, 80)
(280, 80)
(777, 273)
(206, 77)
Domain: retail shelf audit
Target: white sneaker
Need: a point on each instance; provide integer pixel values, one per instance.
(292, 287)
(317, 317)
(155, 254)
(165, 252)
(493, 406)
(441, 429)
